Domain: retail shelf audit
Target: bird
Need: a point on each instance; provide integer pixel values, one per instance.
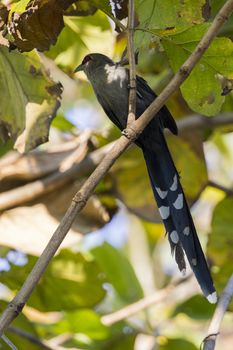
(110, 82)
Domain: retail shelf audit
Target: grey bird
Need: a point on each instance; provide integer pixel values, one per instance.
(110, 82)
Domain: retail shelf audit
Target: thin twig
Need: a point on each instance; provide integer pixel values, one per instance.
(141, 304)
(214, 328)
(81, 197)
(199, 121)
(8, 342)
(132, 68)
(30, 337)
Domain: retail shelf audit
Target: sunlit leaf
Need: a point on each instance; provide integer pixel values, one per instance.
(202, 90)
(29, 98)
(220, 242)
(119, 272)
(83, 321)
(176, 344)
(71, 281)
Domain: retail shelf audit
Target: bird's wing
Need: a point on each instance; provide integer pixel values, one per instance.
(109, 111)
(145, 97)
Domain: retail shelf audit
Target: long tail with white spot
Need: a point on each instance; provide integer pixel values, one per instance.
(176, 216)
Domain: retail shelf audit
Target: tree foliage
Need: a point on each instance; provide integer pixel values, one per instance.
(125, 257)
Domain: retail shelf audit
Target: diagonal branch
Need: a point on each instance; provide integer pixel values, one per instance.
(213, 331)
(130, 310)
(57, 179)
(81, 197)
(132, 68)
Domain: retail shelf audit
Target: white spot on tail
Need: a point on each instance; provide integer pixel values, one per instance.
(212, 298)
(164, 212)
(174, 184)
(194, 262)
(174, 237)
(115, 73)
(178, 204)
(186, 231)
(162, 194)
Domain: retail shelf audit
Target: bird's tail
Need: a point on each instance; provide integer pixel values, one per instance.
(176, 216)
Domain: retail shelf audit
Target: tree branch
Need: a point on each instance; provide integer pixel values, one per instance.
(81, 197)
(33, 190)
(132, 68)
(57, 179)
(8, 342)
(141, 304)
(197, 121)
(213, 331)
(31, 338)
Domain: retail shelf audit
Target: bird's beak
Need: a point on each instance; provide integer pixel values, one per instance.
(79, 68)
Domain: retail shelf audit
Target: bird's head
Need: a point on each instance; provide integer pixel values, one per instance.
(93, 61)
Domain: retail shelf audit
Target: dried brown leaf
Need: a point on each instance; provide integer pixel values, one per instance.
(3, 16)
(38, 26)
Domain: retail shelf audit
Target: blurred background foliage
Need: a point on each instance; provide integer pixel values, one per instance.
(115, 253)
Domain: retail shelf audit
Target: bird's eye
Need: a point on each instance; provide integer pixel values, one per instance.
(86, 59)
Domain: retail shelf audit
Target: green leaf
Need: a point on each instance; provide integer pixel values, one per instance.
(177, 344)
(221, 242)
(83, 321)
(118, 271)
(196, 308)
(29, 99)
(71, 281)
(202, 90)
(80, 36)
(192, 169)
(128, 171)
(169, 13)
(19, 6)
(61, 123)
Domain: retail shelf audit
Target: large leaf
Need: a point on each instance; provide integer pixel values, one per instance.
(169, 13)
(71, 281)
(196, 308)
(176, 344)
(190, 166)
(202, 90)
(36, 24)
(80, 36)
(119, 272)
(221, 242)
(29, 99)
(83, 321)
(133, 184)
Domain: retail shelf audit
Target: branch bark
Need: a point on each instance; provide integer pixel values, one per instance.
(33, 190)
(80, 198)
(57, 179)
(214, 328)
(31, 338)
(132, 68)
(141, 304)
